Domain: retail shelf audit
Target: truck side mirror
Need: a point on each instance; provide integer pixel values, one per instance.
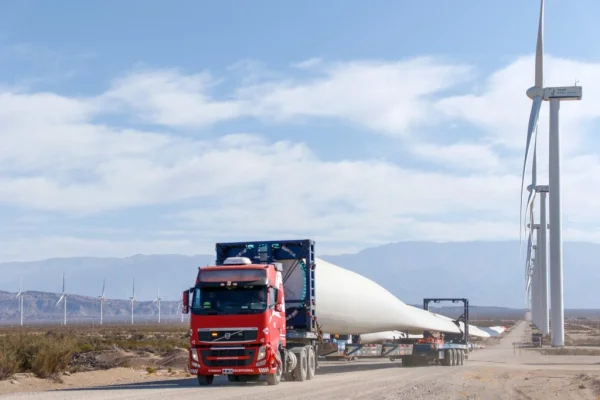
(185, 307)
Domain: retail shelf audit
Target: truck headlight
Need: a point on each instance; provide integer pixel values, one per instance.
(262, 352)
(194, 354)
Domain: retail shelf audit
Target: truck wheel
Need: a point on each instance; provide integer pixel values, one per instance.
(301, 369)
(312, 363)
(274, 379)
(205, 380)
(233, 378)
(407, 361)
(462, 357)
(454, 357)
(447, 358)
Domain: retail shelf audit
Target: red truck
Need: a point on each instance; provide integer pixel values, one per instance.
(241, 324)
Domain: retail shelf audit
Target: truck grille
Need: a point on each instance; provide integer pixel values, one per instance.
(227, 335)
(246, 357)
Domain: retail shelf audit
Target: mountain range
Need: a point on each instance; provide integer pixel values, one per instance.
(488, 273)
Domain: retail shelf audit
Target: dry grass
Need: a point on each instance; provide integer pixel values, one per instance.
(44, 355)
(47, 353)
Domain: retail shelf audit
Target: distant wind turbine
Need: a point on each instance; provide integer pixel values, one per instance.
(63, 296)
(19, 298)
(157, 300)
(180, 305)
(132, 300)
(102, 298)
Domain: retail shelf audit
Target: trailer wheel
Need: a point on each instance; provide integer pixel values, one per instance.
(447, 358)
(462, 357)
(312, 363)
(275, 379)
(301, 369)
(205, 380)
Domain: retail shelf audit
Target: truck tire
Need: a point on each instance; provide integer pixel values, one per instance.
(462, 357)
(301, 369)
(312, 363)
(447, 362)
(205, 380)
(274, 379)
(452, 357)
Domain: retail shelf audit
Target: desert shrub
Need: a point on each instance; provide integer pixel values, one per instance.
(44, 355)
(9, 363)
(85, 347)
(150, 370)
(53, 357)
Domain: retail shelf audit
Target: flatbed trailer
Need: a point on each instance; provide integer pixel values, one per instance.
(451, 351)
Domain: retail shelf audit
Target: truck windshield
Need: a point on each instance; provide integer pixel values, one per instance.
(229, 300)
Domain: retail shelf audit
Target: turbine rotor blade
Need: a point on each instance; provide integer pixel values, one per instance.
(533, 120)
(539, 50)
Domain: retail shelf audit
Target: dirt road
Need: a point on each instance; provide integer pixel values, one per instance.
(497, 372)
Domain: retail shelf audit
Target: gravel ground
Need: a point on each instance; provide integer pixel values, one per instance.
(497, 372)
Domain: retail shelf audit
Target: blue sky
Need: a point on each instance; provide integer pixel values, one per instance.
(140, 127)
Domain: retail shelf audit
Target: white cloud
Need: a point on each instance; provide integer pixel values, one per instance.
(166, 97)
(56, 156)
(308, 64)
(470, 157)
(389, 98)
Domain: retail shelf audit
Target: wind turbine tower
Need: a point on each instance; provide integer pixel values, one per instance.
(543, 263)
(19, 298)
(132, 300)
(157, 300)
(63, 298)
(102, 299)
(554, 95)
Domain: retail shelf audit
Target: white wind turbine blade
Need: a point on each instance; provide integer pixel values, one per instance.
(103, 287)
(531, 188)
(535, 93)
(60, 299)
(533, 119)
(20, 289)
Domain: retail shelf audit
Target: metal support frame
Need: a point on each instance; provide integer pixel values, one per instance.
(265, 252)
(465, 302)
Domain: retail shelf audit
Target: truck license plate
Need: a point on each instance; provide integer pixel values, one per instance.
(227, 372)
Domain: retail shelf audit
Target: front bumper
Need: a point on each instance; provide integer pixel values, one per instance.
(229, 361)
(231, 371)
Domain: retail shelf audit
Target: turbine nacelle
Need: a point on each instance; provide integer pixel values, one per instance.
(560, 93)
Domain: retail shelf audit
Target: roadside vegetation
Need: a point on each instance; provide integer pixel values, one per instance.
(49, 352)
